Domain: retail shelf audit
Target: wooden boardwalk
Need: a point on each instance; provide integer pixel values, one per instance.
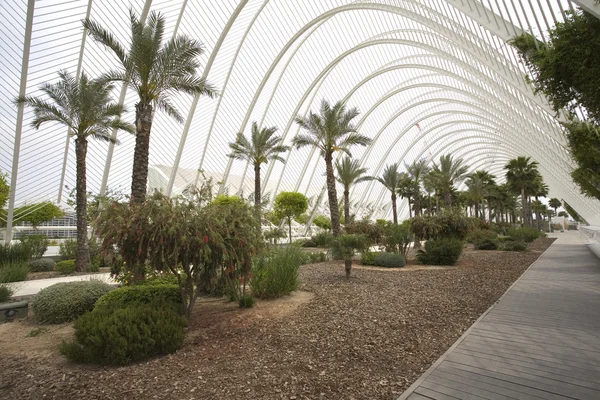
(540, 341)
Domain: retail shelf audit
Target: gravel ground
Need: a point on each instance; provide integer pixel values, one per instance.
(368, 337)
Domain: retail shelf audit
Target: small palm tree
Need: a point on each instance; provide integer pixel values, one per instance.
(417, 172)
(330, 130)
(263, 146)
(449, 172)
(520, 172)
(84, 106)
(155, 71)
(349, 172)
(391, 178)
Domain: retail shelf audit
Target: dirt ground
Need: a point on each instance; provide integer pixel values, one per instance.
(368, 337)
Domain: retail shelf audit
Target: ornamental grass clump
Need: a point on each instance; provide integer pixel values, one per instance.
(276, 274)
(65, 301)
(14, 271)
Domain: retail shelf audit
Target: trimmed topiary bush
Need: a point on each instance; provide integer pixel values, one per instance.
(524, 234)
(121, 336)
(42, 265)
(445, 251)
(65, 267)
(65, 301)
(390, 260)
(141, 294)
(368, 258)
(513, 246)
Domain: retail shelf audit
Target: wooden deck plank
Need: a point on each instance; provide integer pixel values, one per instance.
(540, 341)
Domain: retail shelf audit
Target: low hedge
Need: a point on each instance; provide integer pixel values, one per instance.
(65, 301)
(513, 246)
(119, 336)
(524, 234)
(65, 267)
(141, 294)
(42, 265)
(445, 251)
(390, 260)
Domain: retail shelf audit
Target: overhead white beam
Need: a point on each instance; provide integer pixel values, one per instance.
(590, 6)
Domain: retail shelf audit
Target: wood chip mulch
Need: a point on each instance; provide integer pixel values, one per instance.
(368, 337)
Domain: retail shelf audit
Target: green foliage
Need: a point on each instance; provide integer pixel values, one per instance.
(397, 238)
(14, 252)
(309, 243)
(316, 258)
(65, 301)
(584, 145)
(159, 279)
(141, 294)
(368, 258)
(42, 265)
(374, 231)
(389, 260)
(37, 243)
(322, 222)
(274, 234)
(511, 245)
(346, 245)
(120, 336)
(276, 274)
(38, 212)
(65, 267)
(290, 205)
(322, 239)
(36, 332)
(246, 301)
(574, 214)
(445, 224)
(442, 251)
(68, 249)
(14, 271)
(4, 189)
(224, 199)
(5, 293)
(302, 219)
(525, 234)
(483, 239)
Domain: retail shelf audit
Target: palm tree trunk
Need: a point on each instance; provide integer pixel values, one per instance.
(476, 210)
(490, 212)
(448, 198)
(332, 195)
(417, 203)
(139, 178)
(257, 191)
(346, 205)
(523, 206)
(82, 257)
(348, 267)
(409, 208)
(394, 211)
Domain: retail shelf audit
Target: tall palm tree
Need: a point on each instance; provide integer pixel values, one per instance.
(489, 181)
(539, 209)
(417, 172)
(263, 146)
(84, 106)
(391, 178)
(407, 189)
(329, 130)
(430, 186)
(478, 190)
(156, 71)
(449, 172)
(520, 172)
(555, 203)
(349, 172)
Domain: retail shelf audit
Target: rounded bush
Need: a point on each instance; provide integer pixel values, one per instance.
(524, 234)
(140, 294)
(445, 251)
(514, 246)
(162, 279)
(483, 239)
(121, 336)
(42, 265)
(487, 245)
(65, 267)
(390, 260)
(368, 258)
(65, 301)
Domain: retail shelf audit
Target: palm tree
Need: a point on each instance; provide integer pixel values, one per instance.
(155, 71)
(539, 209)
(489, 181)
(449, 172)
(84, 106)
(478, 190)
(520, 172)
(430, 186)
(391, 180)
(407, 189)
(555, 203)
(329, 130)
(349, 172)
(262, 147)
(417, 172)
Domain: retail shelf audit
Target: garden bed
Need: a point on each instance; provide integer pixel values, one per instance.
(368, 337)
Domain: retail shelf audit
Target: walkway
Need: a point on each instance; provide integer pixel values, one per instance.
(540, 341)
(29, 288)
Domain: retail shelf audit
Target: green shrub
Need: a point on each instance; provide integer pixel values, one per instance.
(159, 279)
(322, 222)
(309, 243)
(38, 244)
(142, 294)
(368, 258)
(373, 231)
(397, 238)
(68, 249)
(42, 265)
(5, 293)
(14, 271)
(315, 258)
(513, 246)
(66, 267)
(65, 301)
(323, 239)
(524, 234)
(246, 301)
(483, 239)
(443, 251)
(446, 224)
(276, 274)
(93, 266)
(390, 260)
(121, 336)
(488, 245)
(14, 252)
